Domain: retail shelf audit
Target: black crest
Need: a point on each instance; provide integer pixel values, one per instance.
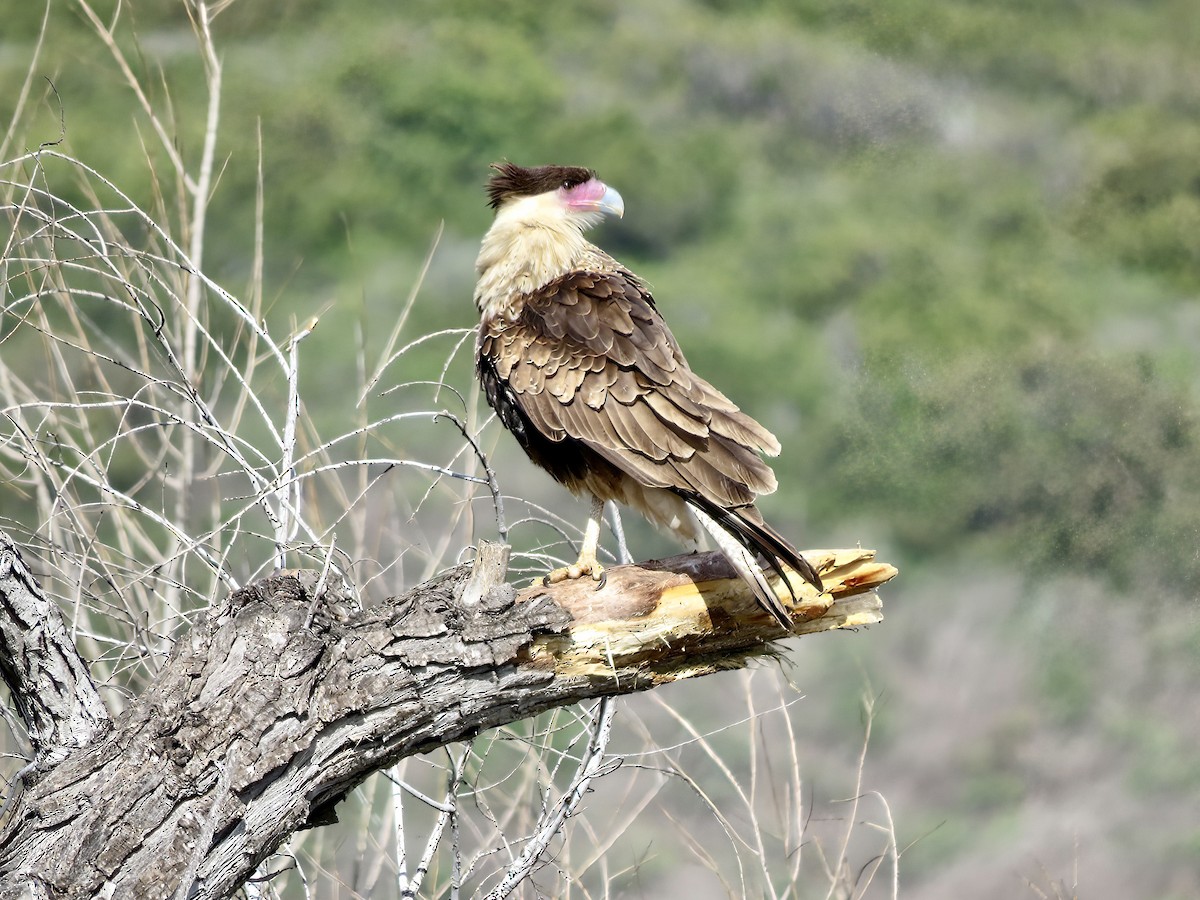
(511, 180)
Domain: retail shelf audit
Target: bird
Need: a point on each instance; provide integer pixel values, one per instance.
(579, 365)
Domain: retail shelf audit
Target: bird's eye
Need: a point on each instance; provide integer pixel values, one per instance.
(568, 184)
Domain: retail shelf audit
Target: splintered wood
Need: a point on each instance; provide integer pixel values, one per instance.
(690, 615)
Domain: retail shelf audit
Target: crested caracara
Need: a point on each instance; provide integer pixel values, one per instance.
(579, 365)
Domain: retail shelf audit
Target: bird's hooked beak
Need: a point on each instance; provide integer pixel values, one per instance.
(610, 202)
(595, 196)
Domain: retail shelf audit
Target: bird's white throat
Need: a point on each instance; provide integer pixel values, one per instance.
(533, 241)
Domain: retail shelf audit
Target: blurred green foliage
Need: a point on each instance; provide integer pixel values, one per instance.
(944, 249)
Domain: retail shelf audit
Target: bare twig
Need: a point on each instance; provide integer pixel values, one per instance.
(552, 820)
(492, 483)
(288, 501)
(23, 94)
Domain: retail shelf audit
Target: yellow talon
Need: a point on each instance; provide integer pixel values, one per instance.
(577, 570)
(587, 564)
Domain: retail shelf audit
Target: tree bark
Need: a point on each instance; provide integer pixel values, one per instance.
(50, 685)
(285, 699)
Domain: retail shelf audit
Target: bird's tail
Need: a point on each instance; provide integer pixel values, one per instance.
(742, 535)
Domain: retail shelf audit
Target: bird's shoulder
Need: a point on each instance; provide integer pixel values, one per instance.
(595, 290)
(592, 311)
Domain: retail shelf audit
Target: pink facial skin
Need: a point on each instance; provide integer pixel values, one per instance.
(593, 196)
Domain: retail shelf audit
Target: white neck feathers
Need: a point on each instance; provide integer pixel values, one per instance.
(532, 241)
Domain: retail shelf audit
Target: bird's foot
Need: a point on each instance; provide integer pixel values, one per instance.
(577, 570)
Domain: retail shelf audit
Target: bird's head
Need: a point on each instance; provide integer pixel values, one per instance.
(572, 193)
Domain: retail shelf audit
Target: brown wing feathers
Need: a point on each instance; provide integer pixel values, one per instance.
(590, 360)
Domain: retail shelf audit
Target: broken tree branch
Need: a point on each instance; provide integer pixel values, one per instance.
(272, 710)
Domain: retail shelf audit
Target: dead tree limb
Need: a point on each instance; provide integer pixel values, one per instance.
(49, 682)
(269, 712)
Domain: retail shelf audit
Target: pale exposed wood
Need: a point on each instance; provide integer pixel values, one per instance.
(689, 615)
(275, 707)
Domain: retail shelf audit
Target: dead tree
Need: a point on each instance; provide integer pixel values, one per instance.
(287, 696)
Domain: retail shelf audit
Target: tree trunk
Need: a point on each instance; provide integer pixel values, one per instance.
(286, 698)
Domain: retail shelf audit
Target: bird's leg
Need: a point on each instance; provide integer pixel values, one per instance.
(587, 564)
